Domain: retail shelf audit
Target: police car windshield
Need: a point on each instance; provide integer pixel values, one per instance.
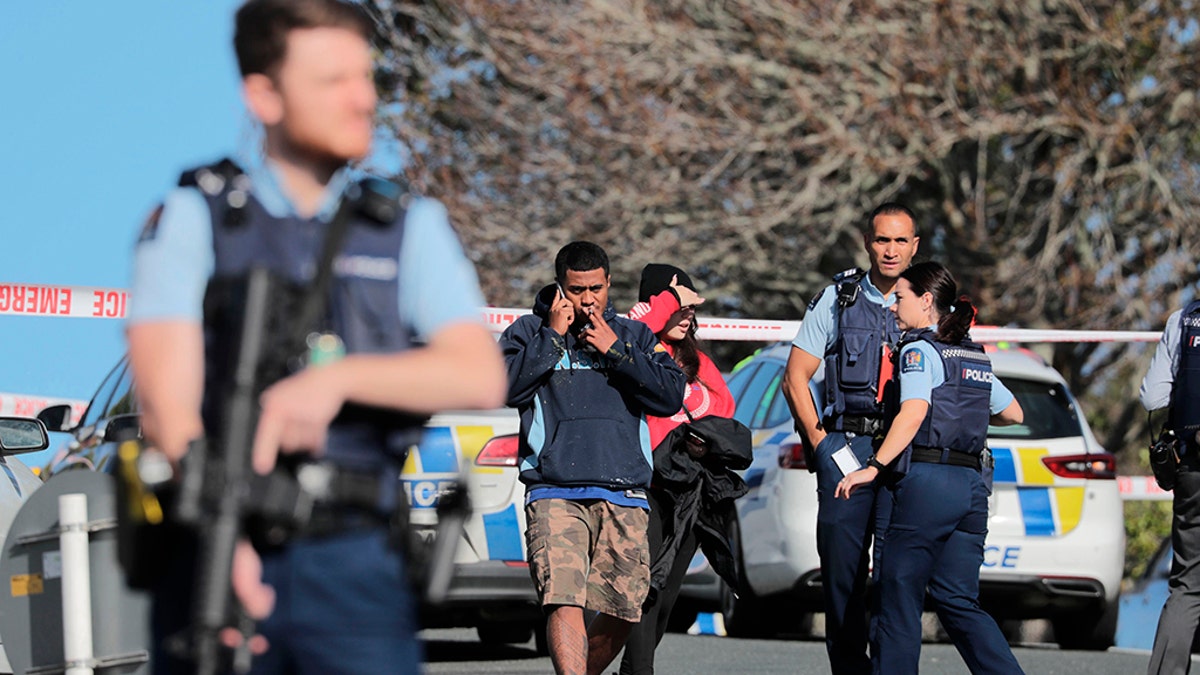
(1048, 411)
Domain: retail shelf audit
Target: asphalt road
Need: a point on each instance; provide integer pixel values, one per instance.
(459, 651)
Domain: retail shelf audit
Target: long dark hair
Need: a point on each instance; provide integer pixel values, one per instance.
(687, 353)
(955, 312)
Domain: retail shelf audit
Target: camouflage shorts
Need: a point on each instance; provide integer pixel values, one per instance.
(589, 553)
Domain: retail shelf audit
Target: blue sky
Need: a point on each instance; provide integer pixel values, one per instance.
(105, 103)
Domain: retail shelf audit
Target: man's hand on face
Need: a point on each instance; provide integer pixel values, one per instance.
(562, 313)
(598, 334)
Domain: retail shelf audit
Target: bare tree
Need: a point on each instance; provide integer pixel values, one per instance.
(1048, 147)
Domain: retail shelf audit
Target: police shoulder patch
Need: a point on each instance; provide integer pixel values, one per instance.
(816, 298)
(913, 361)
(150, 227)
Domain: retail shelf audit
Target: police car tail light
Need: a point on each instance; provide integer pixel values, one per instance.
(500, 451)
(791, 456)
(1099, 465)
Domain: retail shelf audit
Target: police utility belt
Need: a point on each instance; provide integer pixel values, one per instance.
(947, 456)
(863, 426)
(346, 499)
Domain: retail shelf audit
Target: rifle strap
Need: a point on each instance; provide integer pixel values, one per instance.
(318, 293)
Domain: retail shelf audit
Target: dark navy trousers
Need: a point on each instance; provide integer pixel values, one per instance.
(1181, 613)
(844, 531)
(935, 540)
(342, 605)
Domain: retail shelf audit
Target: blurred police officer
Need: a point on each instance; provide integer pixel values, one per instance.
(1173, 382)
(403, 308)
(848, 327)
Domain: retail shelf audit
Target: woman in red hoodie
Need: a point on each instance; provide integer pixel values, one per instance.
(666, 303)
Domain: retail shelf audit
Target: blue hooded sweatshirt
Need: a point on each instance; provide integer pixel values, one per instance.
(583, 414)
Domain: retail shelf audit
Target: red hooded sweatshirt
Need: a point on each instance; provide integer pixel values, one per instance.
(707, 395)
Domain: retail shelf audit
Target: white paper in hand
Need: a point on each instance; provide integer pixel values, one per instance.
(846, 460)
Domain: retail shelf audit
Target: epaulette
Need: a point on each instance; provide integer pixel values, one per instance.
(847, 285)
(223, 177)
(376, 199)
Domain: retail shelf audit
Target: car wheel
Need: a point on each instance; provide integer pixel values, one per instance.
(1089, 630)
(743, 613)
(504, 633)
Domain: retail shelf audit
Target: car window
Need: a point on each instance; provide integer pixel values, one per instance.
(753, 399)
(737, 381)
(779, 412)
(1048, 411)
(772, 393)
(123, 401)
(99, 403)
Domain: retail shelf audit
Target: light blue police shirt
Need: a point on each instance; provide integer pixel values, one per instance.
(1156, 386)
(438, 284)
(819, 330)
(922, 370)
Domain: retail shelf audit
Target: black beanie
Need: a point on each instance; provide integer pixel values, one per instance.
(656, 278)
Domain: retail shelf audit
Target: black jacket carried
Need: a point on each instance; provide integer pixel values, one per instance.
(700, 493)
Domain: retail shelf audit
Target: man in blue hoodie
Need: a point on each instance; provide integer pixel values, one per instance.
(584, 380)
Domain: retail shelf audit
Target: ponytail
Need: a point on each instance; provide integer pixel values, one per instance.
(954, 323)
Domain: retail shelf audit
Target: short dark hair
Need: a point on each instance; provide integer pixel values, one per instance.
(262, 26)
(579, 256)
(889, 209)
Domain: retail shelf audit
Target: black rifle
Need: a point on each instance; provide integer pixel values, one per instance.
(214, 492)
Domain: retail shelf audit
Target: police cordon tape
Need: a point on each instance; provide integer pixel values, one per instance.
(65, 301)
(766, 330)
(25, 405)
(112, 303)
(1141, 488)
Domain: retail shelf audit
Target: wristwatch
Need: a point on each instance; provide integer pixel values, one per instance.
(881, 467)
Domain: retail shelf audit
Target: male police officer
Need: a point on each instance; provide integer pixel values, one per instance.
(848, 327)
(1174, 381)
(340, 597)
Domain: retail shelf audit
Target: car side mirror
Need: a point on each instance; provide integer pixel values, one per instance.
(122, 428)
(56, 417)
(22, 434)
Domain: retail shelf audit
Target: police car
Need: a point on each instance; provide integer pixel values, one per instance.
(1056, 538)
(491, 589)
(17, 435)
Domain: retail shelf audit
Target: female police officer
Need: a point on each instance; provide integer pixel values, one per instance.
(937, 441)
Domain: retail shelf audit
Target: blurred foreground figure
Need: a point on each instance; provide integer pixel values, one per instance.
(386, 307)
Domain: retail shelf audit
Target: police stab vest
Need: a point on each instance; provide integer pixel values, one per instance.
(959, 408)
(362, 307)
(852, 363)
(1185, 390)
